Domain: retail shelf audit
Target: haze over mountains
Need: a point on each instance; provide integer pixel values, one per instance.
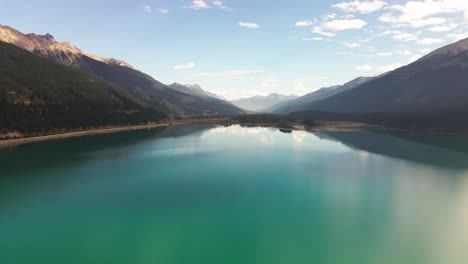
(304, 102)
(195, 90)
(261, 103)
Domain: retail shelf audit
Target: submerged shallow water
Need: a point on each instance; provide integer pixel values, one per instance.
(212, 194)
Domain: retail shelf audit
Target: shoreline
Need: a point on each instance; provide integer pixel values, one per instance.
(117, 129)
(328, 126)
(107, 130)
(82, 133)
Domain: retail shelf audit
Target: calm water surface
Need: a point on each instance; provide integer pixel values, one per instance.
(210, 194)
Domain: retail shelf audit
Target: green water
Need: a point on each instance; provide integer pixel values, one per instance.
(207, 194)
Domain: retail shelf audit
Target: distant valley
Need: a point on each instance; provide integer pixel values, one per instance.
(262, 103)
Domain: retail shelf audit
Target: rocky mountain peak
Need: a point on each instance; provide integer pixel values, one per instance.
(46, 38)
(46, 45)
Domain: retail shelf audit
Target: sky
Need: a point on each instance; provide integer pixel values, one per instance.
(241, 48)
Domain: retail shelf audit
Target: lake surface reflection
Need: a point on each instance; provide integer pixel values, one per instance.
(214, 194)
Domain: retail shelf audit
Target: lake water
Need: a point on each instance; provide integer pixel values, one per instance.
(212, 194)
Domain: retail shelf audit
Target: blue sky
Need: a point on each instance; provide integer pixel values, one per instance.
(247, 47)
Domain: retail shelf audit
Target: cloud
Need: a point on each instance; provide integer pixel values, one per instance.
(163, 10)
(147, 9)
(429, 41)
(405, 37)
(384, 54)
(364, 68)
(389, 32)
(204, 4)
(306, 23)
(343, 24)
(458, 36)
(425, 50)
(433, 21)
(379, 69)
(320, 31)
(415, 58)
(413, 11)
(220, 4)
(313, 39)
(330, 16)
(352, 44)
(361, 7)
(186, 66)
(301, 87)
(390, 67)
(227, 74)
(248, 25)
(443, 28)
(198, 5)
(391, 53)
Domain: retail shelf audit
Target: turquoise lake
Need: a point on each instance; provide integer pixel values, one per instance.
(212, 194)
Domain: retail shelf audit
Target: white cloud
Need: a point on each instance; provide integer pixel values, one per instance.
(306, 23)
(433, 21)
(320, 31)
(391, 53)
(390, 67)
(186, 66)
(384, 54)
(352, 44)
(404, 52)
(163, 10)
(220, 4)
(389, 32)
(227, 74)
(330, 16)
(405, 37)
(443, 28)
(205, 4)
(343, 24)
(429, 41)
(458, 36)
(313, 39)
(198, 5)
(248, 25)
(147, 9)
(418, 10)
(361, 6)
(415, 58)
(364, 68)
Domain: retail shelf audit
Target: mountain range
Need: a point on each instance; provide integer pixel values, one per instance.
(430, 93)
(39, 95)
(438, 82)
(49, 85)
(195, 90)
(303, 102)
(119, 74)
(262, 103)
(121, 80)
